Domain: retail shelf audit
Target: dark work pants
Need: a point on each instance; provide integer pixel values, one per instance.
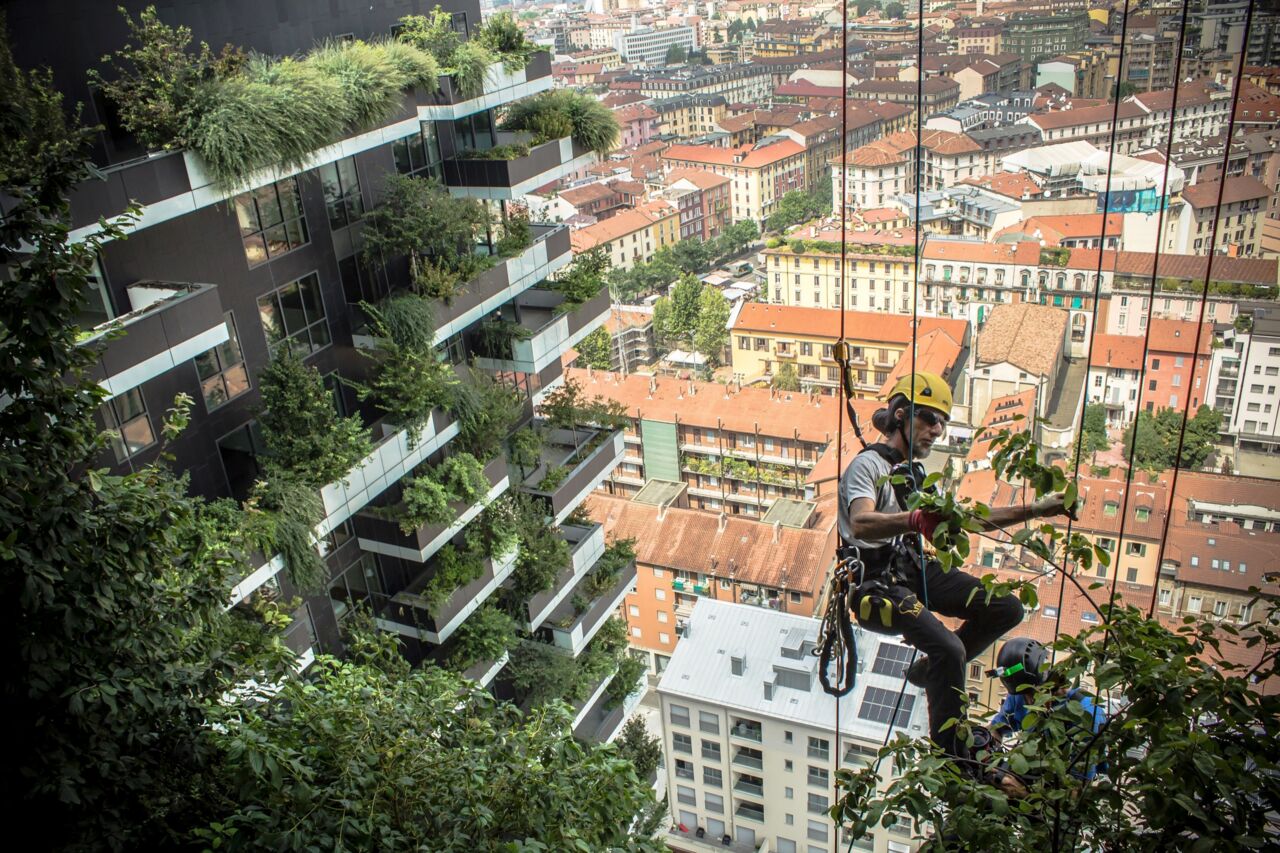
(985, 622)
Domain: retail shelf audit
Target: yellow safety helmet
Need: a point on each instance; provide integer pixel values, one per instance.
(924, 389)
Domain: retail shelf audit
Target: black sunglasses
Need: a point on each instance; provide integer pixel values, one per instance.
(930, 417)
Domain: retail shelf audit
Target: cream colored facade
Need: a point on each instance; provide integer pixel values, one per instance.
(875, 282)
(756, 189)
(870, 186)
(760, 352)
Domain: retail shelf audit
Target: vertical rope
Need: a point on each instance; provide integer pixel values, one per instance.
(1204, 293)
(840, 306)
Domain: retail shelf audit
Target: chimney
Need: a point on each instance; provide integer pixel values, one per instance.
(777, 532)
(662, 510)
(722, 521)
(653, 386)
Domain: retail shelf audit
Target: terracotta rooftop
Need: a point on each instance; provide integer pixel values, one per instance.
(1194, 94)
(1122, 352)
(621, 223)
(1102, 114)
(751, 156)
(586, 194)
(1000, 415)
(688, 539)
(825, 323)
(778, 414)
(936, 352)
(1052, 230)
(628, 318)
(1023, 334)
(1024, 253)
(1204, 194)
(1016, 185)
(1189, 267)
(1178, 336)
(700, 178)
(1241, 556)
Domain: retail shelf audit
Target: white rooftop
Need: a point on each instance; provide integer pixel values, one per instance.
(775, 649)
(1091, 164)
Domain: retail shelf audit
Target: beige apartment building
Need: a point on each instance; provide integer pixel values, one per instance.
(762, 173)
(878, 271)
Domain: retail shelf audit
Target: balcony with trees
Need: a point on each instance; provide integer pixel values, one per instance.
(200, 114)
(590, 601)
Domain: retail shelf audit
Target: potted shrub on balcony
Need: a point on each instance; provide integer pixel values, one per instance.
(485, 636)
(499, 38)
(486, 409)
(242, 115)
(563, 112)
(410, 378)
(302, 431)
(437, 232)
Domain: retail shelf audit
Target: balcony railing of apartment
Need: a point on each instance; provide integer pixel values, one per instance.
(170, 323)
(752, 786)
(483, 672)
(747, 757)
(175, 183)
(747, 730)
(586, 545)
(571, 630)
(475, 175)
(550, 330)
(600, 723)
(573, 463)
(750, 811)
(378, 528)
(684, 838)
(498, 285)
(410, 614)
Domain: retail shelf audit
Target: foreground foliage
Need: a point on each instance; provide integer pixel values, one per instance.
(1191, 758)
(370, 755)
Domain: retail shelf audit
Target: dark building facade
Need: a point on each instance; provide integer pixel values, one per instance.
(209, 284)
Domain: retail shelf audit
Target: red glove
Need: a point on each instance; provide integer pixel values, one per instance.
(924, 522)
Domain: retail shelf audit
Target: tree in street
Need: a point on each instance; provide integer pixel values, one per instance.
(676, 55)
(893, 11)
(711, 331)
(1158, 436)
(595, 349)
(639, 747)
(786, 379)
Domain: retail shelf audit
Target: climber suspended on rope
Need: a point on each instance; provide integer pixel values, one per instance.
(895, 587)
(1023, 665)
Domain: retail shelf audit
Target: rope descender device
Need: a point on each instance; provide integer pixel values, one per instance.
(843, 353)
(835, 636)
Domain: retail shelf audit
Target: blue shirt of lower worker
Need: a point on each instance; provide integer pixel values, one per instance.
(1014, 710)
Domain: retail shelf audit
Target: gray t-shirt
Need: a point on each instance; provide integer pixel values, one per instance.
(859, 481)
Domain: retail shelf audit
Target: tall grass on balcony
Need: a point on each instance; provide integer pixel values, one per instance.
(562, 112)
(243, 116)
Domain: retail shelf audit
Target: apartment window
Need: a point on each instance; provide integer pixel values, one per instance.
(712, 777)
(744, 342)
(714, 803)
(818, 804)
(222, 371)
(633, 610)
(708, 722)
(1135, 549)
(878, 704)
(819, 776)
(819, 748)
(660, 594)
(635, 630)
(356, 586)
(271, 221)
(1110, 508)
(664, 637)
(686, 795)
(806, 348)
(1142, 513)
(1193, 604)
(817, 830)
(418, 152)
(295, 313)
(128, 424)
(681, 742)
(678, 715)
(341, 185)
